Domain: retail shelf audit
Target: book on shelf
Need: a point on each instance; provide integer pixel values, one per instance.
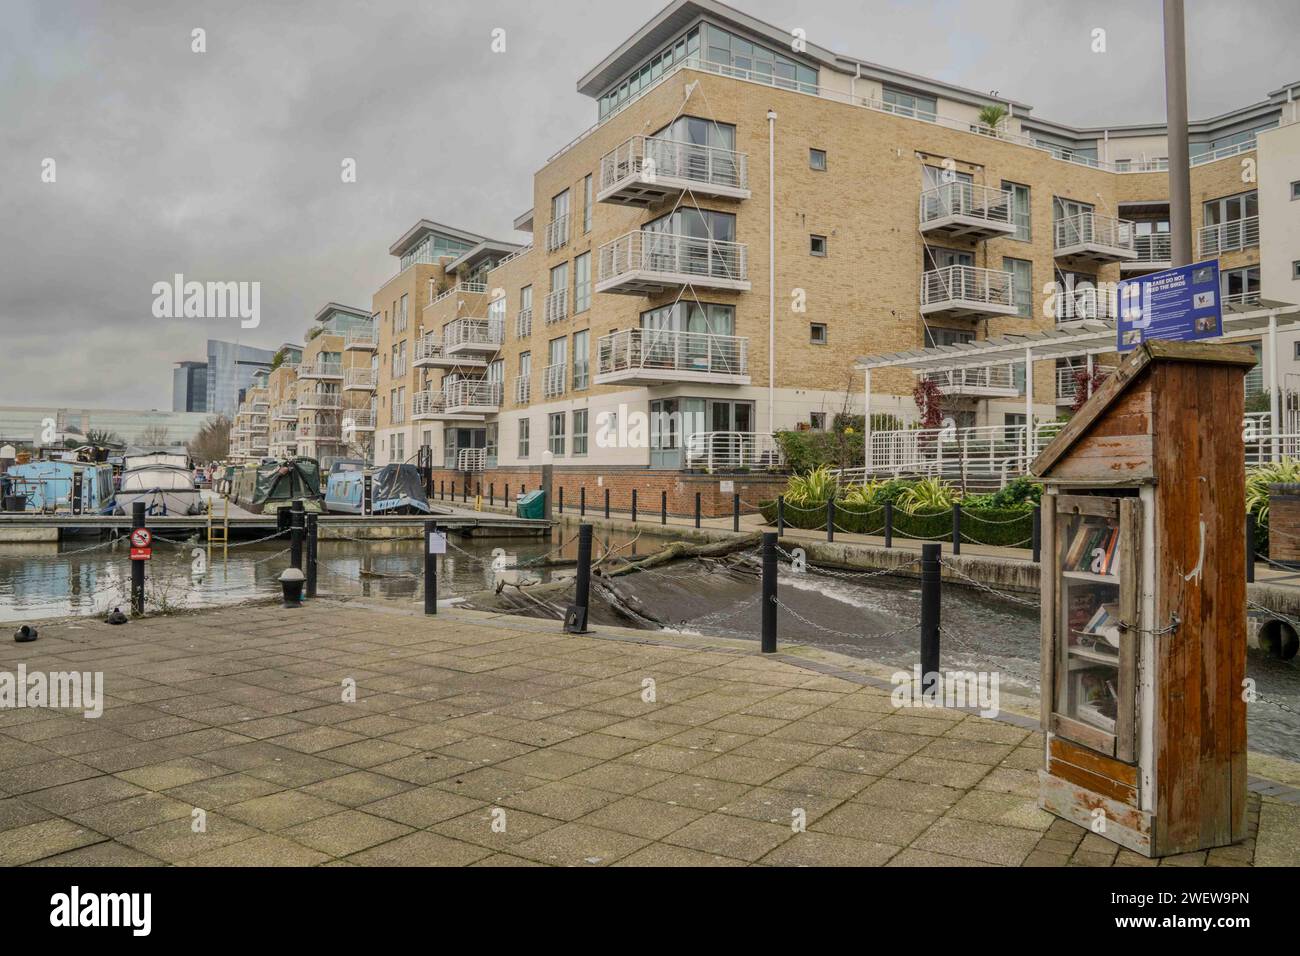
(1093, 548)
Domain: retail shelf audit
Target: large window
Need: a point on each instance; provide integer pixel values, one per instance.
(586, 204)
(916, 105)
(555, 434)
(1240, 285)
(696, 223)
(1231, 208)
(1022, 281)
(581, 364)
(582, 283)
(1020, 211)
(702, 317)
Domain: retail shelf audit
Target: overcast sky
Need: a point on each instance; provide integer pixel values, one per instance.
(226, 165)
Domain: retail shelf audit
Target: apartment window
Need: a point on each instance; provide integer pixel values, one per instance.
(1068, 208)
(1295, 270)
(817, 159)
(402, 315)
(817, 334)
(1020, 211)
(1232, 208)
(555, 434)
(579, 431)
(524, 427)
(586, 204)
(1022, 284)
(817, 245)
(935, 336)
(399, 447)
(817, 421)
(581, 367)
(1295, 190)
(1241, 285)
(911, 104)
(582, 283)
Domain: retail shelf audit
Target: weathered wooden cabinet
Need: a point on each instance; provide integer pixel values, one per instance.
(1144, 604)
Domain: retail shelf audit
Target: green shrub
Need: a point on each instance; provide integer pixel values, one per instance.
(1001, 527)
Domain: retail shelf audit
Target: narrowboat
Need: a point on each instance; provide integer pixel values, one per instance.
(266, 488)
(165, 490)
(48, 485)
(394, 489)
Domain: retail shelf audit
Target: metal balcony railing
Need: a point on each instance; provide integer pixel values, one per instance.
(652, 158)
(967, 200)
(675, 257)
(320, 370)
(524, 323)
(363, 418)
(363, 339)
(471, 459)
(975, 380)
(360, 378)
(1228, 237)
(672, 351)
(318, 431)
(285, 436)
(427, 403)
(970, 285)
(553, 379)
(1154, 247)
(473, 334)
(555, 306)
(472, 393)
(523, 389)
(557, 233)
(323, 399)
(1092, 229)
(285, 411)
(727, 451)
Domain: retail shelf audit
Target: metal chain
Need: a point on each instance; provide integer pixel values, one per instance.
(842, 634)
(1005, 595)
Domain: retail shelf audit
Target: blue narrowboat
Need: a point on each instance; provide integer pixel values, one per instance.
(394, 489)
(48, 485)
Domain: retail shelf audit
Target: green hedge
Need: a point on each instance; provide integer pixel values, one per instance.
(1002, 527)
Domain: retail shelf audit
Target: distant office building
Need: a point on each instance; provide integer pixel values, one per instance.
(231, 367)
(190, 387)
(51, 425)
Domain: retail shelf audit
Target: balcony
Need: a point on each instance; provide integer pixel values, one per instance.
(284, 436)
(729, 451)
(1213, 241)
(644, 263)
(967, 292)
(988, 381)
(321, 370)
(1094, 238)
(472, 397)
(1068, 381)
(553, 380)
(325, 400)
(555, 306)
(1153, 254)
(524, 324)
(360, 380)
(557, 233)
(647, 170)
(661, 357)
(473, 338)
(523, 389)
(429, 353)
(960, 210)
(285, 412)
(359, 420)
(361, 340)
(318, 431)
(471, 459)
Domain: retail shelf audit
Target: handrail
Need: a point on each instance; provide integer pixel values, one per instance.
(1094, 228)
(966, 199)
(673, 350)
(672, 254)
(967, 284)
(1228, 236)
(654, 157)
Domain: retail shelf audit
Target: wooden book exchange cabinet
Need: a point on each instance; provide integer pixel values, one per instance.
(1144, 603)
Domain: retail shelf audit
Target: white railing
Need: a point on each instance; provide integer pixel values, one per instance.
(966, 199)
(1090, 228)
(320, 370)
(318, 431)
(999, 449)
(555, 306)
(967, 284)
(726, 451)
(487, 334)
(360, 339)
(1228, 236)
(285, 436)
(1154, 247)
(523, 389)
(427, 403)
(286, 411)
(427, 347)
(1223, 152)
(359, 418)
(472, 393)
(460, 288)
(513, 256)
(553, 379)
(361, 378)
(651, 158)
(955, 381)
(674, 255)
(557, 233)
(668, 350)
(1241, 298)
(1067, 380)
(324, 399)
(524, 323)
(471, 459)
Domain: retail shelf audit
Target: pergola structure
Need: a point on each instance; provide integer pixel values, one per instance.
(1083, 339)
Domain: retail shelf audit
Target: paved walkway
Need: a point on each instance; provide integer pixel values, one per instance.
(482, 740)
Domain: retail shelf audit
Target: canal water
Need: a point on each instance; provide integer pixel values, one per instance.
(871, 618)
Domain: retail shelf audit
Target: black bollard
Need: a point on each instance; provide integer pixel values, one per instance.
(634, 506)
(956, 528)
(697, 509)
(735, 512)
(889, 524)
(559, 499)
(606, 502)
(296, 528)
(313, 533)
(769, 593)
(453, 492)
(464, 493)
(582, 502)
(575, 618)
(780, 514)
(931, 591)
(1036, 536)
(442, 488)
(830, 518)
(431, 567)
(137, 567)
(663, 507)
(492, 494)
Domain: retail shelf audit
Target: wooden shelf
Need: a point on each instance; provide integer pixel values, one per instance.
(1093, 656)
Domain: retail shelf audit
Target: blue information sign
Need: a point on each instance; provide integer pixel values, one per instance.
(1180, 304)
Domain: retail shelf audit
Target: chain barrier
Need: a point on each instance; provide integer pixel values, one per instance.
(843, 634)
(716, 617)
(1005, 595)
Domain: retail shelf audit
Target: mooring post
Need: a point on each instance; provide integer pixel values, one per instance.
(780, 514)
(606, 502)
(560, 499)
(137, 567)
(464, 491)
(697, 509)
(296, 527)
(367, 495)
(575, 620)
(769, 593)
(735, 512)
(76, 493)
(505, 497)
(442, 488)
(492, 494)
(430, 568)
(931, 595)
(956, 528)
(582, 502)
(1250, 548)
(313, 533)
(663, 507)
(889, 524)
(830, 518)
(1036, 535)
(453, 491)
(634, 506)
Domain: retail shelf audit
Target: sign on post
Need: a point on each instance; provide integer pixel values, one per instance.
(1182, 304)
(438, 542)
(141, 540)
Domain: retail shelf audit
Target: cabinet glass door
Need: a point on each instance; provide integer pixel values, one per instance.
(1096, 641)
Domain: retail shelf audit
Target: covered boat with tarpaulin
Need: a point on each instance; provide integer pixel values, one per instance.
(267, 488)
